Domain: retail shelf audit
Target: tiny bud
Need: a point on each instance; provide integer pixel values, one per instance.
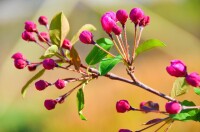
(122, 106)
(66, 44)
(124, 130)
(116, 30)
(43, 20)
(18, 55)
(173, 107)
(32, 67)
(30, 26)
(60, 84)
(136, 15)
(28, 36)
(50, 104)
(122, 16)
(86, 37)
(145, 21)
(43, 37)
(107, 23)
(41, 85)
(177, 69)
(48, 64)
(193, 79)
(20, 63)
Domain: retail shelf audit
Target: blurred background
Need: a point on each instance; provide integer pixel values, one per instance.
(175, 22)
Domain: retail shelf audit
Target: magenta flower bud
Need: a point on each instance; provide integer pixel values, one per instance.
(112, 15)
(32, 67)
(66, 44)
(20, 63)
(124, 130)
(122, 16)
(173, 107)
(122, 106)
(41, 85)
(28, 36)
(43, 20)
(193, 79)
(116, 30)
(44, 37)
(86, 37)
(60, 84)
(145, 21)
(142, 104)
(50, 104)
(18, 55)
(48, 64)
(177, 69)
(136, 15)
(107, 23)
(30, 26)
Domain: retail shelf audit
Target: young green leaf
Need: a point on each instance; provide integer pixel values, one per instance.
(81, 102)
(108, 64)
(197, 91)
(149, 44)
(75, 58)
(96, 54)
(180, 87)
(88, 27)
(36, 76)
(51, 51)
(59, 28)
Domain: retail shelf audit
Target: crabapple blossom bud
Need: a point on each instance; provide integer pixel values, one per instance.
(20, 63)
(193, 79)
(43, 20)
(43, 37)
(60, 84)
(48, 64)
(112, 15)
(145, 21)
(30, 26)
(18, 55)
(122, 16)
(50, 104)
(66, 44)
(122, 106)
(28, 36)
(173, 107)
(124, 130)
(136, 15)
(116, 30)
(32, 67)
(86, 37)
(41, 85)
(177, 68)
(107, 23)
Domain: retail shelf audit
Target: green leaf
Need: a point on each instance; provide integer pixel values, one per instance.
(108, 64)
(88, 27)
(149, 44)
(36, 76)
(180, 87)
(51, 51)
(96, 54)
(75, 58)
(59, 28)
(81, 102)
(197, 91)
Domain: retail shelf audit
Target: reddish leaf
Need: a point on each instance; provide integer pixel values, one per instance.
(156, 120)
(75, 58)
(149, 106)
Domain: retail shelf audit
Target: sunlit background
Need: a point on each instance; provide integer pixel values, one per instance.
(175, 22)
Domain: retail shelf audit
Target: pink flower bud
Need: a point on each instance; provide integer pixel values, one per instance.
(41, 85)
(124, 130)
(107, 23)
(86, 37)
(112, 15)
(32, 67)
(136, 15)
(173, 107)
(28, 36)
(122, 106)
(145, 21)
(66, 44)
(30, 26)
(193, 79)
(43, 37)
(122, 16)
(18, 55)
(60, 84)
(43, 20)
(50, 104)
(116, 30)
(48, 64)
(20, 63)
(177, 68)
